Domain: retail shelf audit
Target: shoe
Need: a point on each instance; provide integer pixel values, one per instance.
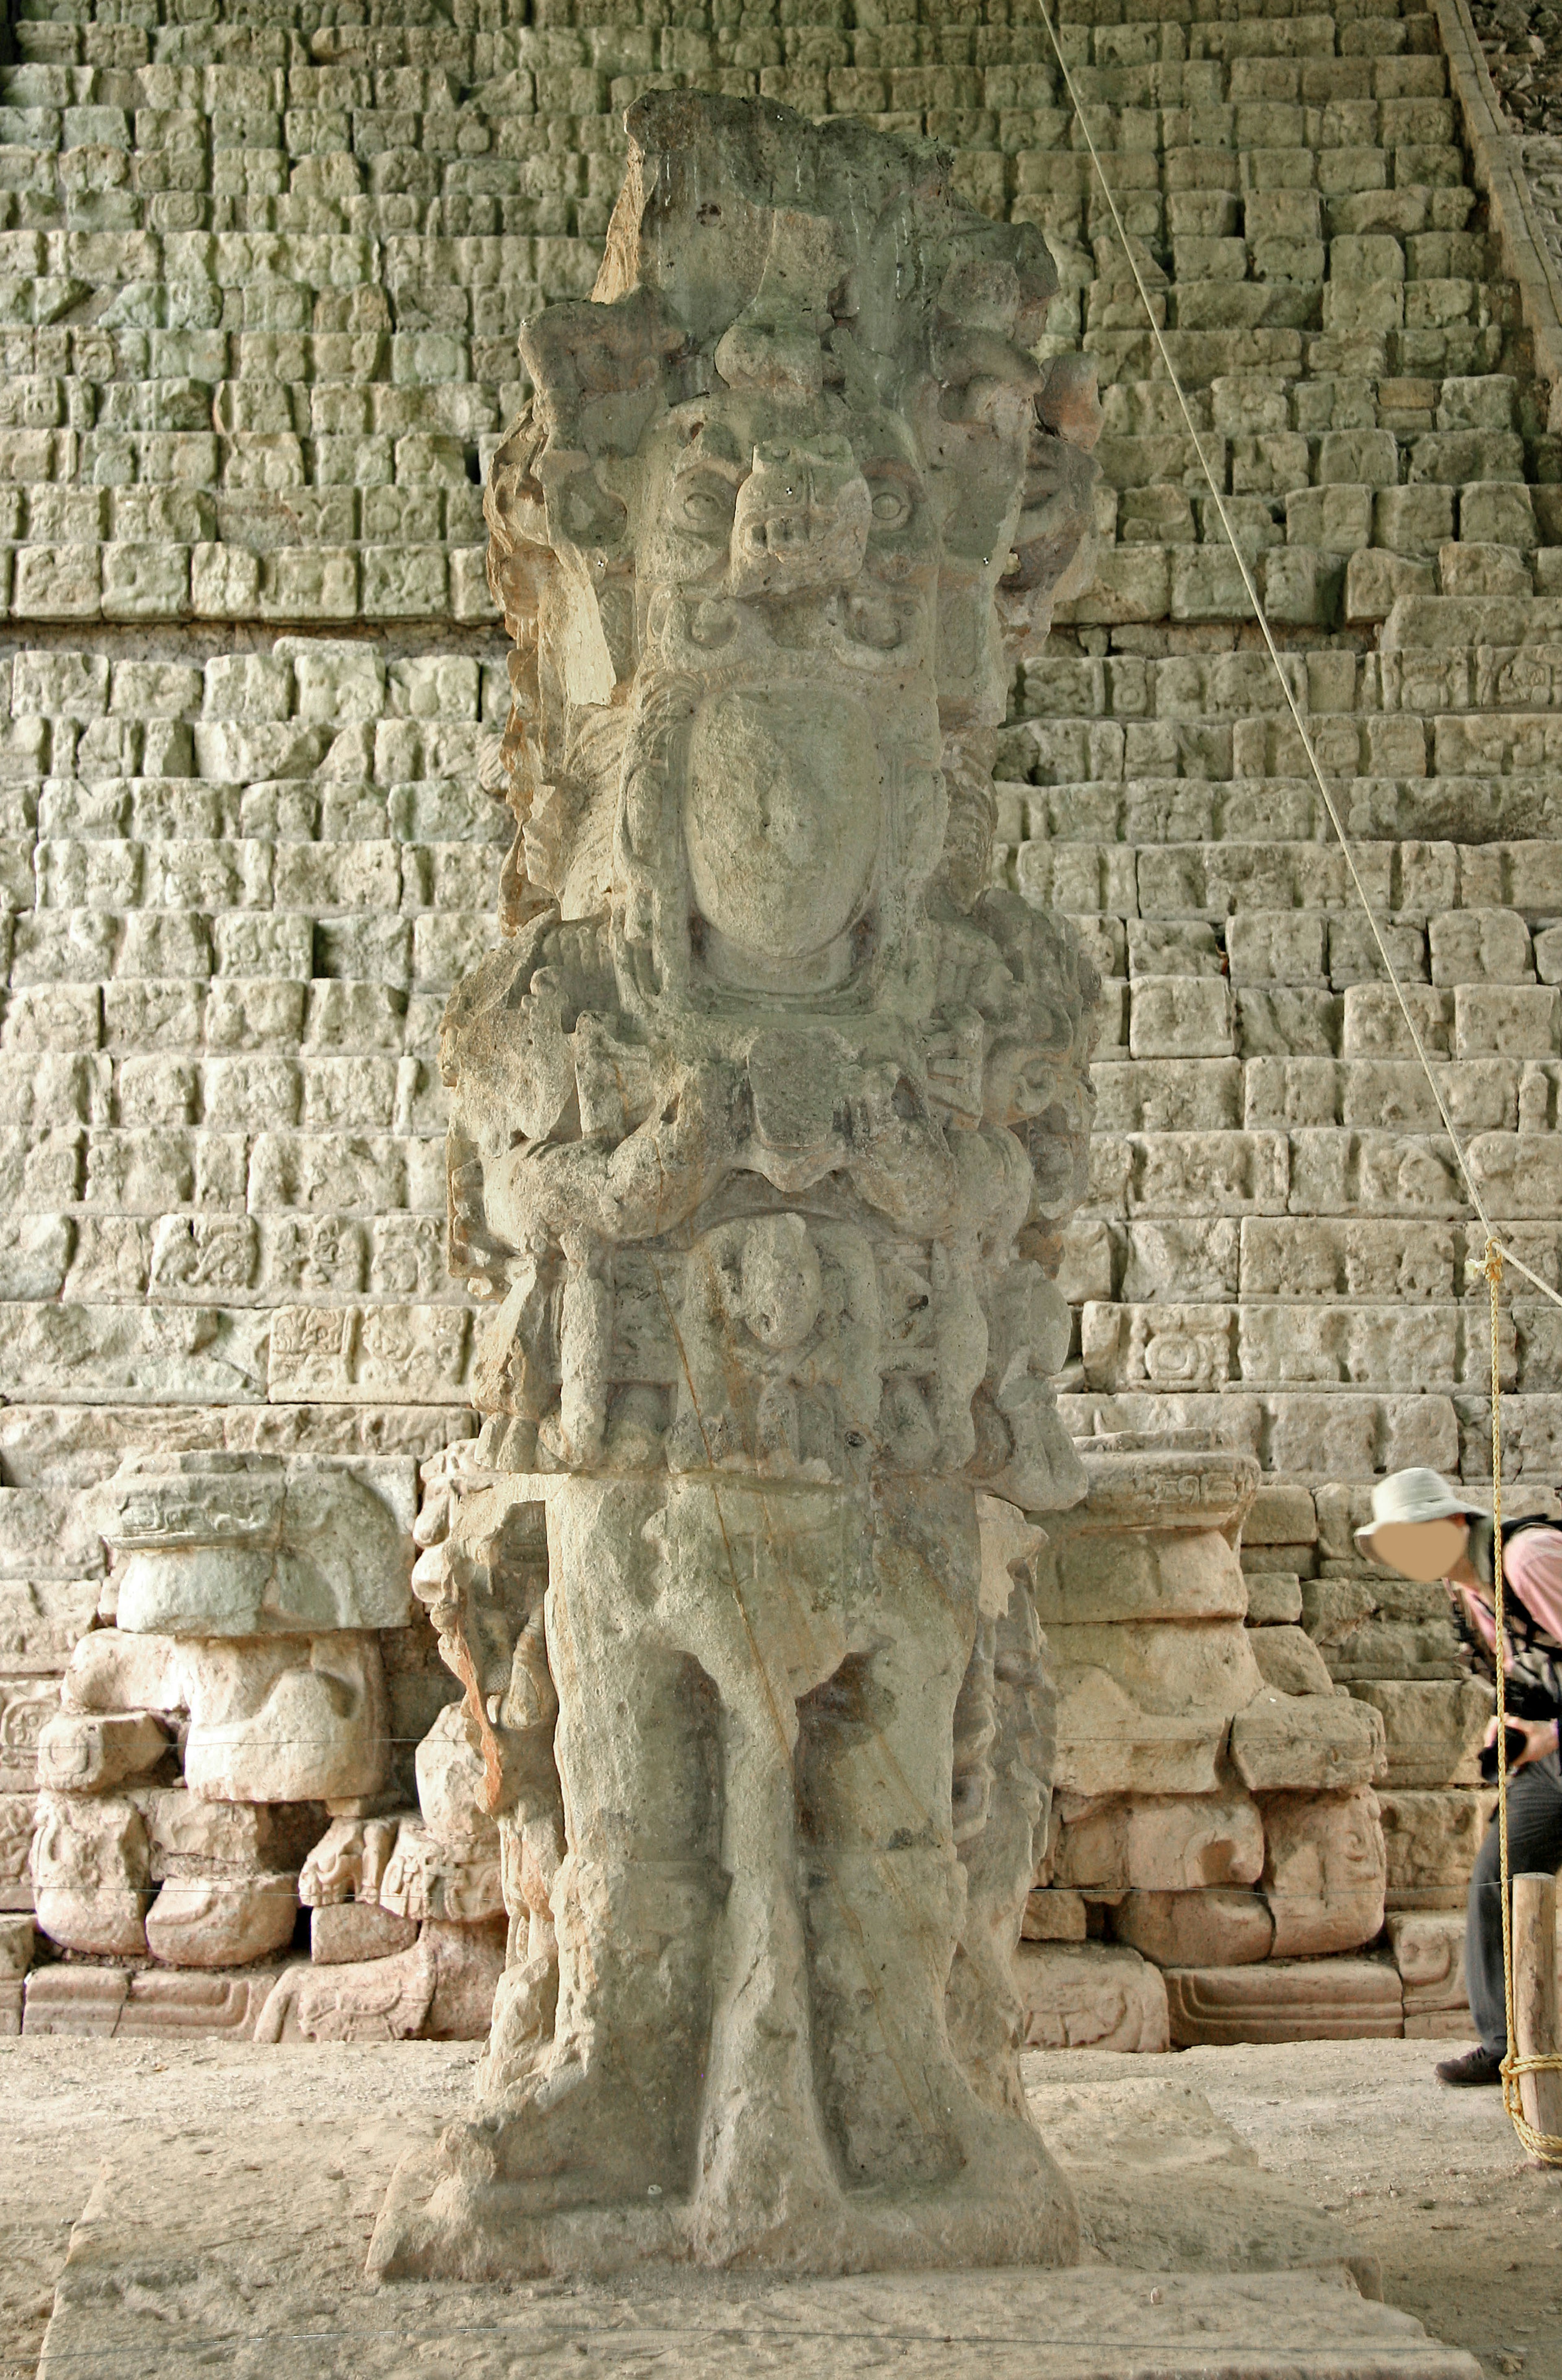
(1476, 2067)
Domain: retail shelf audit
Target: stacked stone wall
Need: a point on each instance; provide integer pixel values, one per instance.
(260, 272)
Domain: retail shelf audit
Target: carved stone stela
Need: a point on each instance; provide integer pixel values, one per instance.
(766, 1115)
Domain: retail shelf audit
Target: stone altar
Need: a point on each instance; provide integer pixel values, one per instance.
(766, 1116)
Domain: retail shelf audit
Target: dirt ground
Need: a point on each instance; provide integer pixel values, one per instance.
(1431, 2181)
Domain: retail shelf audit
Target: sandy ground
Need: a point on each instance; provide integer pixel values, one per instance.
(1467, 2233)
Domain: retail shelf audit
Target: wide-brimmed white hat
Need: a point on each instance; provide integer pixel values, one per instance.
(1406, 1496)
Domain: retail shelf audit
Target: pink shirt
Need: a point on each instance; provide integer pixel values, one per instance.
(1531, 1565)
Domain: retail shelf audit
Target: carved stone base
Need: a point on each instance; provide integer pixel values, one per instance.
(440, 2222)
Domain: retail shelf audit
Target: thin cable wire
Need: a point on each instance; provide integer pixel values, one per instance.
(1300, 723)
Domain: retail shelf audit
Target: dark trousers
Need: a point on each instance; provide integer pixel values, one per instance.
(1535, 1846)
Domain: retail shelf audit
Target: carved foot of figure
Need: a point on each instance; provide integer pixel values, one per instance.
(956, 2181)
(604, 2119)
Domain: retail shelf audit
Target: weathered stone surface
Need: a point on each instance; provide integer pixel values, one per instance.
(113, 1670)
(221, 1920)
(241, 1545)
(80, 1755)
(1428, 1951)
(1431, 1839)
(1305, 1743)
(1108, 1744)
(381, 1999)
(1324, 1872)
(469, 1961)
(1289, 1662)
(285, 1718)
(1273, 1599)
(762, 1121)
(1201, 1928)
(187, 1836)
(1091, 1997)
(109, 2001)
(27, 1705)
(1163, 1844)
(18, 1942)
(1323, 1999)
(1433, 1730)
(1154, 1540)
(89, 1872)
(1053, 1914)
(349, 1931)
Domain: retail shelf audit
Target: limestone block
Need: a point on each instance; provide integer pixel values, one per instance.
(349, 1861)
(1280, 1514)
(1493, 513)
(1152, 1540)
(1323, 1999)
(378, 2000)
(450, 1774)
(1053, 1914)
(1099, 1575)
(1434, 1729)
(1381, 1630)
(1414, 521)
(18, 1942)
(26, 1706)
(1181, 1016)
(351, 1931)
(424, 1877)
(285, 1718)
(1169, 1669)
(1374, 581)
(98, 2001)
(1428, 1949)
(1307, 1743)
(1288, 1658)
(77, 1754)
(1274, 1601)
(1161, 1843)
(111, 1670)
(1091, 1997)
(1106, 1743)
(169, 2005)
(41, 1621)
(244, 1545)
(82, 2000)
(1206, 1928)
(17, 1812)
(1483, 570)
(221, 1920)
(1431, 1839)
(1323, 1870)
(89, 1872)
(469, 1961)
(188, 1837)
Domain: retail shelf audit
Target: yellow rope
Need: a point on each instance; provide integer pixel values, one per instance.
(1545, 2146)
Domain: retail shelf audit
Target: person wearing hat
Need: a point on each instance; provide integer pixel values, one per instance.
(1426, 1530)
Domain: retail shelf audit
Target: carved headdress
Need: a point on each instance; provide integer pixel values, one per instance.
(791, 497)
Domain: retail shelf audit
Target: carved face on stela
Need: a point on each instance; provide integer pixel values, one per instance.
(777, 484)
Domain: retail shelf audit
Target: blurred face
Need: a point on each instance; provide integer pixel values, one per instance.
(1422, 1550)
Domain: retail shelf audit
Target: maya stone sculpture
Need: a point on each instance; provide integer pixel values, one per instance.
(766, 1119)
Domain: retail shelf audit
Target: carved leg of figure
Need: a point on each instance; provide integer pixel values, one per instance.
(984, 2007)
(965, 2183)
(932, 2173)
(606, 2115)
